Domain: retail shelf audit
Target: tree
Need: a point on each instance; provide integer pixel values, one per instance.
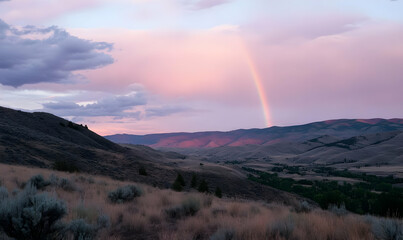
(180, 179)
(142, 171)
(203, 187)
(218, 192)
(179, 183)
(193, 182)
(176, 186)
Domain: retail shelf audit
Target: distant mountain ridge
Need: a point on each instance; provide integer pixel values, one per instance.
(340, 128)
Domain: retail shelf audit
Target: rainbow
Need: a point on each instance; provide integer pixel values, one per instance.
(259, 86)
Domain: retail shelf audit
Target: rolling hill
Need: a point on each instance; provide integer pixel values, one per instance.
(343, 128)
(42, 139)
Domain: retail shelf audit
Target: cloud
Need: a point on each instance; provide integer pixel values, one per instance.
(120, 106)
(311, 74)
(50, 54)
(283, 30)
(165, 110)
(203, 4)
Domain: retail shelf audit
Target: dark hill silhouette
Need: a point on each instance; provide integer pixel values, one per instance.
(42, 139)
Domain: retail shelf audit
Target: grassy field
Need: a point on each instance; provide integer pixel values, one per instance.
(168, 215)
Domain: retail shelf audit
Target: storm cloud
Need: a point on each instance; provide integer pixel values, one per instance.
(32, 55)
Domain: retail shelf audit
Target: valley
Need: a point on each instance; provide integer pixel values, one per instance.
(340, 176)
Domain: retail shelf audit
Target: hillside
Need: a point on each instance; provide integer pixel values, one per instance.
(42, 139)
(371, 150)
(87, 209)
(343, 128)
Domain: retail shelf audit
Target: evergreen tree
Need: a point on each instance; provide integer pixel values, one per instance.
(142, 171)
(203, 187)
(218, 192)
(193, 182)
(176, 186)
(179, 183)
(180, 179)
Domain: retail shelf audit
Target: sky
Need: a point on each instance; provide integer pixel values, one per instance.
(152, 66)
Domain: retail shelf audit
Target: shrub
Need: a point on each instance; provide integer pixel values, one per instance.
(3, 194)
(223, 234)
(203, 187)
(81, 230)
(88, 213)
(67, 185)
(386, 229)
(282, 228)
(303, 206)
(32, 216)
(103, 221)
(392, 229)
(218, 192)
(339, 211)
(54, 180)
(174, 212)
(63, 183)
(38, 182)
(124, 194)
(207, 201)
(142, 171)
(189, 207)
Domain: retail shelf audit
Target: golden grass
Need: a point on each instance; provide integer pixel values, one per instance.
(145, 217)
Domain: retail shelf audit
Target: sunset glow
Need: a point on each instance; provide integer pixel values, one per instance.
(196, 65)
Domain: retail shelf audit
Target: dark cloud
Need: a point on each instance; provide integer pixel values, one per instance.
(203, 4)
(33, 55)
(116, 106)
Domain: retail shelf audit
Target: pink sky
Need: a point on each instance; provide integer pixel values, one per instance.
(176, 69)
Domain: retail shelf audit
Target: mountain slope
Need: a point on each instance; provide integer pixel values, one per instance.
(343, 128)
(41, 139)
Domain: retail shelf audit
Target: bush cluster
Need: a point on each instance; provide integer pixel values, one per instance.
(386, 229)
(38, 182)
(124, 194)
(30, 215)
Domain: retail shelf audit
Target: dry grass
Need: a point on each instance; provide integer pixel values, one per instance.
(145, 217)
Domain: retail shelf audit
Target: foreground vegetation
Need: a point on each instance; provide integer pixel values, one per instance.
(373, 195)
(43, 204)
